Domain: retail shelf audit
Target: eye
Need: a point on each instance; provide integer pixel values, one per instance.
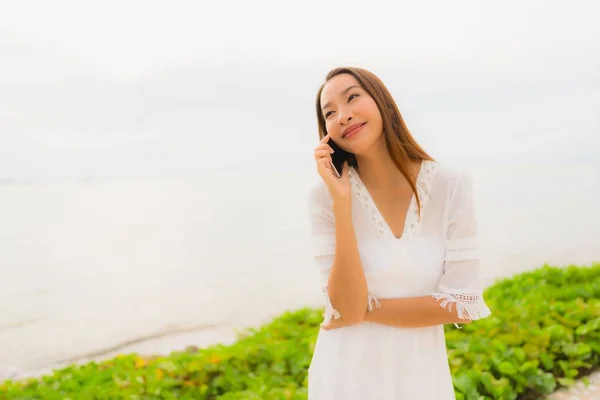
(349, 99)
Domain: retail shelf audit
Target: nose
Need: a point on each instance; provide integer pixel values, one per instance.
(344, 116)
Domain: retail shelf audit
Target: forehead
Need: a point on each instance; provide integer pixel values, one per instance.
(335, 86)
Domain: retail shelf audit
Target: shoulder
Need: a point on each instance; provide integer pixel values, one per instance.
(450, 173)
(450, 178)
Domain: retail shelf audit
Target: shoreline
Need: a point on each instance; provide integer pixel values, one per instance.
(181, 339)
(154, 345)
(155, 260)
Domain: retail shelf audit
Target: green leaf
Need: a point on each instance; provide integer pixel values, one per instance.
(580, 350)
(529, 366)
(566, 381)
(591, 326)
(547, 361)
(466, 385)
(507, 368)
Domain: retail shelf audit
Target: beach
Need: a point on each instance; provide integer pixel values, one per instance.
(91, 269)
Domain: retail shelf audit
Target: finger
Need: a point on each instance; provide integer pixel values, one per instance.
(326, 173)
(322, 154)
(324, 163)
(324, 146)
(325, 139)
(323, 150)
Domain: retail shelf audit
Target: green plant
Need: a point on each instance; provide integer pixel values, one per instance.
(544, 332)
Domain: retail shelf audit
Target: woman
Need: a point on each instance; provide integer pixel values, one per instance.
(395, 238)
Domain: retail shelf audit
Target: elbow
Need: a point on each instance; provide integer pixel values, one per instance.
(358, 313)
(351, 309)
(351, 315)
(355, 312)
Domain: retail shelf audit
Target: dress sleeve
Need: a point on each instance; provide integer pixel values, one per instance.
(459, 284)
(322, 233)
(322, 228)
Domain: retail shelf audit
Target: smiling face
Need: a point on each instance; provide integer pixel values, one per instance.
(346, 105)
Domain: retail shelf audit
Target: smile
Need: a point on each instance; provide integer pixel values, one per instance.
(353, 132)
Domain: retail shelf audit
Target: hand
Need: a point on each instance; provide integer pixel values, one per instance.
(339, 188)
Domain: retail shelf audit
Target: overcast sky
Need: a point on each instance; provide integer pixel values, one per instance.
(119, 88)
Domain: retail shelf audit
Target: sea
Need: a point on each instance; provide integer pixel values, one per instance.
(93, 268)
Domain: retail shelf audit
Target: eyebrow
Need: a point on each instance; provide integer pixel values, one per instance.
(342, 93)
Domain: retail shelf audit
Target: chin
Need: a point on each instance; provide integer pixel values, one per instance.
(360, 145)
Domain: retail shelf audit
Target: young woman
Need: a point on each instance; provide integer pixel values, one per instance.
(395, 237)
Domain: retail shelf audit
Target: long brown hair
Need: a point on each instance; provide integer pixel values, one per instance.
(401, 145)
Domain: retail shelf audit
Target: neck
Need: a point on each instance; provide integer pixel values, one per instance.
(377, 169)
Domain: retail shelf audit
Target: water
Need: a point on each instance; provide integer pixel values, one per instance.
(91, 269)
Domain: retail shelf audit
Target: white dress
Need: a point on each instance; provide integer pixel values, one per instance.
(436, 255)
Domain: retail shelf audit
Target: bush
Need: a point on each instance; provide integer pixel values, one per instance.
(544, 332)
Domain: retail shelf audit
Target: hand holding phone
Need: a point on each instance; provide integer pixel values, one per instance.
(338, 157)
(332, 165)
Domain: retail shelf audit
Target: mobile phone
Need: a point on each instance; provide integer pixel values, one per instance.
(338, 157)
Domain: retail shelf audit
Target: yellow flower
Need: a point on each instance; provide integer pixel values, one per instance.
(140, 362)
(159, 373)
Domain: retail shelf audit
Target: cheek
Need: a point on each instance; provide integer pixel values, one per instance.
(367, 108)
(331, 127)
(371, 109)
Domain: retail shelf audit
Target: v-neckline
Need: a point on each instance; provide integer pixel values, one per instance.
(383, 227)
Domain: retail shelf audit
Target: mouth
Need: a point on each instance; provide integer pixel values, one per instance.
(352, 130)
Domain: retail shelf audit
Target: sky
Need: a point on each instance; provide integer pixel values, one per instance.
(130, 88)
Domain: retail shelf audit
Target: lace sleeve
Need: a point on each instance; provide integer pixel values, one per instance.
(322, 228)
(459, 286)
(322, 232)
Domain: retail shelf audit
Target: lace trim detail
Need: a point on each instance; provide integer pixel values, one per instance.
(373, 302)
(426, 175)
(412, 222)
(365, 199)
(469, 306)
(461, 249)
(331, 313)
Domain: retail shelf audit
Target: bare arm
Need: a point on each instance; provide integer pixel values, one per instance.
(413, 312)
(458, 298)
(347, 297)
(347, 285)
